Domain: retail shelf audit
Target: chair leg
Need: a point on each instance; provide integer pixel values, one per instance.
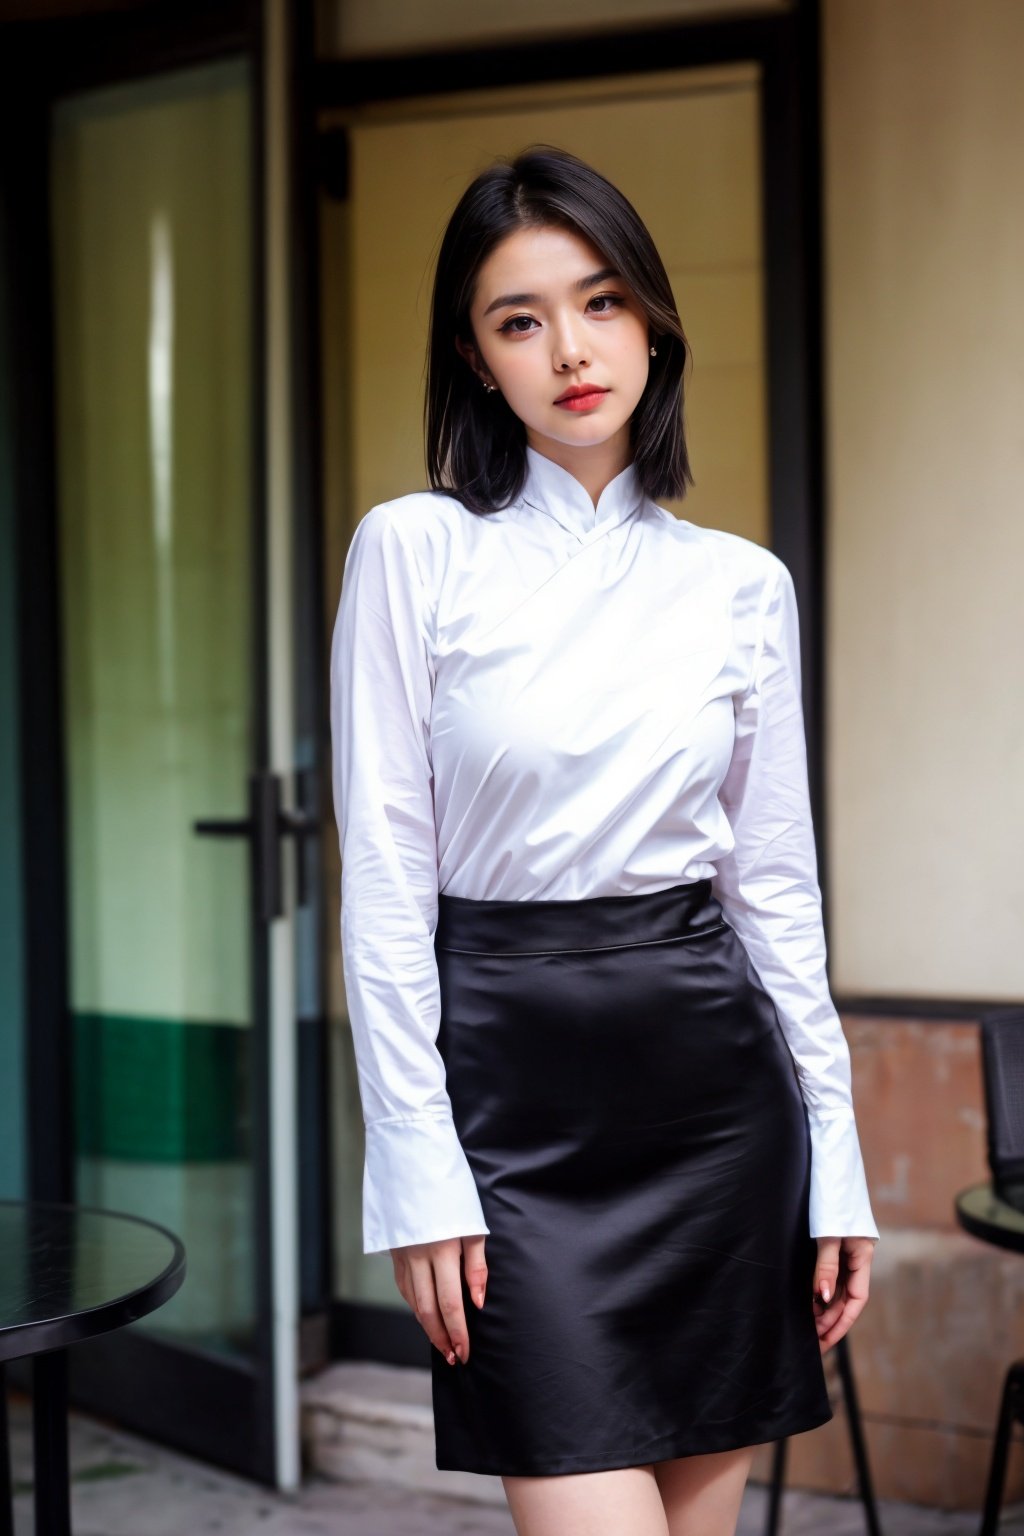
(6, 1491)
(1011, 1407)
(860, 1454)
(777, 1485)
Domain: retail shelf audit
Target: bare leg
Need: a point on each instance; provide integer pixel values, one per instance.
(624, 1502)
(702, 1494)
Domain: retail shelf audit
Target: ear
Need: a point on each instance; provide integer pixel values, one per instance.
(467, 352)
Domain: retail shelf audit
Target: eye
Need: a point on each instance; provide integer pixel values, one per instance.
(511, 327)
(611, 300)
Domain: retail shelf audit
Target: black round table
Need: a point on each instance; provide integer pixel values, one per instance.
(68, 1273)
(981, 1212)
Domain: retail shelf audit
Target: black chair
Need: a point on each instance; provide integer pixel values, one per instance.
(1002, 1059)
(860, 1455)
(1002, 1062)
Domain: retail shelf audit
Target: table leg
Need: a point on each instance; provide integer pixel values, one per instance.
(50, 1443)
(6, 1492)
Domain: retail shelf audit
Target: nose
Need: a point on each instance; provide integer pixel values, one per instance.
(569, 349)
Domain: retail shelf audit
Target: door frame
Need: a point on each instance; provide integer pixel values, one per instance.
(786, 45)
(242, 1415)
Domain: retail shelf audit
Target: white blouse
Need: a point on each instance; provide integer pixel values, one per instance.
(556, 701)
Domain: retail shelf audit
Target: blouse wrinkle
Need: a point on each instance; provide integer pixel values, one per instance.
(561, 701)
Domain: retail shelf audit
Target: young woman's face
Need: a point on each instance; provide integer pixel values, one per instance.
(550, 316)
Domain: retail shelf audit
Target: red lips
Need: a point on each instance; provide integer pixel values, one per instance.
(576, 391)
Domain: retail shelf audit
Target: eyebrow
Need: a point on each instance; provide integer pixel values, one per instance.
(508, 299)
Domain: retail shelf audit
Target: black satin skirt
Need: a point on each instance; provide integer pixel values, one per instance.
(631, 1113)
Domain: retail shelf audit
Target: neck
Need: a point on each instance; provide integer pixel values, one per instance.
(594, 466)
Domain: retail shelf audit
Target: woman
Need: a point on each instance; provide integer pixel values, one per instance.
(610, 1139)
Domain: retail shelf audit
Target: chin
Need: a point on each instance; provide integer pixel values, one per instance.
(582, 431)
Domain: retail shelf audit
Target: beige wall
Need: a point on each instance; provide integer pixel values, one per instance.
(924, 126)
(418, 156)
(351, 28)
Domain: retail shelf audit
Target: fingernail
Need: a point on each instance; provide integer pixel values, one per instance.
(478, 1297)
(450, 1357)
(826, 1293)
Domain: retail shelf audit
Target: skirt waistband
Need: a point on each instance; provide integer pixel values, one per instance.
(589, 922)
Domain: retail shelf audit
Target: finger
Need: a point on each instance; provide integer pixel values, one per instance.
(826, 1268)
(857, 1281)
(425, 1306)
(474, 1267)
(834, 1285)
(826, 1317)
(401, 1267)
(830, 1339)
(842, 1326)
(448, 1287)
(853, 1285)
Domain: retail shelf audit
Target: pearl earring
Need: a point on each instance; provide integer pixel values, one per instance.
(489, 388)
(654, 351)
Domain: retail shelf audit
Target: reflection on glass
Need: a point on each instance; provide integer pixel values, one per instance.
(150, 198)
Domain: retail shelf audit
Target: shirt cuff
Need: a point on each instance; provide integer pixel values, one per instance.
(839, 1203)
(417, 1185)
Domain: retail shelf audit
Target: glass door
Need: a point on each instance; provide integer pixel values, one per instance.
(153, 325)
(168, 250)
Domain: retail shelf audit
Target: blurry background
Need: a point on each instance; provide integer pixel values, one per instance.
(217, 238)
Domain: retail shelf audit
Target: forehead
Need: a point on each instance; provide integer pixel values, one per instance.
(544, 259)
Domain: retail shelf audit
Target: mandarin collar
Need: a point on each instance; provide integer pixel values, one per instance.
(550, 488)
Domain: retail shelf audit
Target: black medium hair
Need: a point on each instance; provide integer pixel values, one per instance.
(475, 443)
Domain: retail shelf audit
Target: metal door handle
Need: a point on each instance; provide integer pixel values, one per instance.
(304, 826)
(264, 827)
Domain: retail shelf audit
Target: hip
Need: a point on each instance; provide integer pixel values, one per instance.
(607, 1007)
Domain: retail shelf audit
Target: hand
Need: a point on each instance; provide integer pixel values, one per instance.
(842, 1275)
(428, 1277)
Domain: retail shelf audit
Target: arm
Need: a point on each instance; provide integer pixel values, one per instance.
(417, 1183)
(769, 891)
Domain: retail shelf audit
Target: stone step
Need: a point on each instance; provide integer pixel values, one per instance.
(367, 1422)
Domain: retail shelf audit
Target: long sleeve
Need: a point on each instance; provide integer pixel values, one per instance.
(768, 887)
(417, 1183)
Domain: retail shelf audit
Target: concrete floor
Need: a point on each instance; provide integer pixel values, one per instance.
(124, 1486)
